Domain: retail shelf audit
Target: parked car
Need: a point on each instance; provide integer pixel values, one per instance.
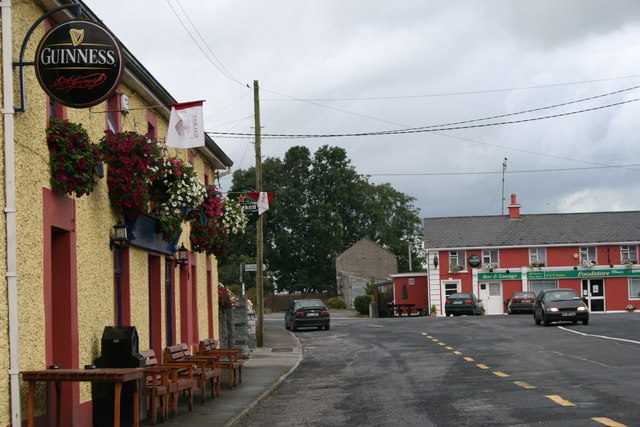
(521, 302)
(463, 303)
(307, 313)
(554, 305)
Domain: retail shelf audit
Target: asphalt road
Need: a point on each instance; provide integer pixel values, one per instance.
(462, 371)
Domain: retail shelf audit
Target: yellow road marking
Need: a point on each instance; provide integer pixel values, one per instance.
(457, 352)
(523, 384)
(376, 326)
(424, 333)
(429, 336)
(608, 422)
(468, 359)
(449, 348)
(441, 343)
(559, 400)
(434, 339)
(481, 366)
(500, 374)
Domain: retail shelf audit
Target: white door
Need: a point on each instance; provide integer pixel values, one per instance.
(491, 296)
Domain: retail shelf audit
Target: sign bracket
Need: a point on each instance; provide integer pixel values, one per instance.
(21, 63)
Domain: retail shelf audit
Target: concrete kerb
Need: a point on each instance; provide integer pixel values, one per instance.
(265, 350)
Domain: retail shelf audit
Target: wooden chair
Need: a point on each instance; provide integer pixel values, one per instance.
(166, 381)
(231, 359)
(204, 369)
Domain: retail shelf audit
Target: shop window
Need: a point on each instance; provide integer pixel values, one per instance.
(489, 256)
(456, 260)
(539, 285)
(587, 254)
(634, 288)
(537, 257)
(629, 253)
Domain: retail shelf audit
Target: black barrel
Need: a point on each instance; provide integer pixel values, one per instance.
(119, 349)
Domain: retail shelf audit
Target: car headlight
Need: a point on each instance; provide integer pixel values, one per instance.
(583, 308)
(553, 309)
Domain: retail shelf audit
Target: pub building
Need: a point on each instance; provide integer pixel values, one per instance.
(70, 272)
(595, 254)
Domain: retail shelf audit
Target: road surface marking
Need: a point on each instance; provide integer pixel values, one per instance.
(426, 334)
(468, 359)
(434, 339)
(449, 348)
(481, 366)
(523, 384)
(441, 343)
(559, 400)
(608, 422)
(376, 326)
(500, 374)
(598, 336)
(457, 352)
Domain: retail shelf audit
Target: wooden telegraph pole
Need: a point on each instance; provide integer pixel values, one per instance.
(260, 224)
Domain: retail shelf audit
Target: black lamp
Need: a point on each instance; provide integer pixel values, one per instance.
(182, 255)
(120, 238)
(435, 261)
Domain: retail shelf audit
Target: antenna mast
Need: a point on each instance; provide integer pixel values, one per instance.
(504, 169)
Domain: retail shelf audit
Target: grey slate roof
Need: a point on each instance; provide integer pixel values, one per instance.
(532, 230)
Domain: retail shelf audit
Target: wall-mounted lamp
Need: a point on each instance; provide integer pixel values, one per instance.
(182, 255)
(507, 271)
(120, 238)
(575, 268)
(435, 261)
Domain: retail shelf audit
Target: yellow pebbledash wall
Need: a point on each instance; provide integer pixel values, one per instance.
(94, 220)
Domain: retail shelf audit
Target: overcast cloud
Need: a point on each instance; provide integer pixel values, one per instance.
(427, 62)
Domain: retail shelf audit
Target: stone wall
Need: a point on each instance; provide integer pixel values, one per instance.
(237, 328)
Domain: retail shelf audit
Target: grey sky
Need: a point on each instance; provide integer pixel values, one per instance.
(405, 53)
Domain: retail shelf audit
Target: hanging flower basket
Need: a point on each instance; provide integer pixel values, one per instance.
(72, 157)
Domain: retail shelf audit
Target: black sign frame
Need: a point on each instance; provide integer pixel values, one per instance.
(79, 63)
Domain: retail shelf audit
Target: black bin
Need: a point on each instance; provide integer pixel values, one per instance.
(119, 349)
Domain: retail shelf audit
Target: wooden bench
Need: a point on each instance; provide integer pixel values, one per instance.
(205, 369)
(231, 359)
(164, 381)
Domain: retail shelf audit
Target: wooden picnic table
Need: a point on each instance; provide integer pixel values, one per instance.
(117, 376)
(400, 308)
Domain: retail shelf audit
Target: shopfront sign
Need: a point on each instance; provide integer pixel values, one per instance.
(583, 274)
(475, 261)
(499, 276)
(79, 63)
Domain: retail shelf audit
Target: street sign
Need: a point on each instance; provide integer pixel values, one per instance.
(253, 267)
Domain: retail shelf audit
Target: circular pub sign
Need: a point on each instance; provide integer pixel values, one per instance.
(474, 261)
(79, 63)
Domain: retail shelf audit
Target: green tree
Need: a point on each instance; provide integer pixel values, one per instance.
(322, 206)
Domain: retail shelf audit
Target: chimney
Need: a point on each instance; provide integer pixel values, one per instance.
(514, 208)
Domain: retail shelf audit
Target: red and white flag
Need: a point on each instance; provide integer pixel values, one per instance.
(186, 125)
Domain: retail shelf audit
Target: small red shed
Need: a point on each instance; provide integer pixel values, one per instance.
(411, 288)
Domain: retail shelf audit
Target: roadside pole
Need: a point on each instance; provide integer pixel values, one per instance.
(260, 223)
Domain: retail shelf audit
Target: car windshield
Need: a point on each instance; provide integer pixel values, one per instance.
(561, 296)
(309, 303)
(464, 296)
(524, 295)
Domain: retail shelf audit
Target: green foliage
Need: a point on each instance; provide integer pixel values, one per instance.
(322, 206)
(335, 303)
(361, 303)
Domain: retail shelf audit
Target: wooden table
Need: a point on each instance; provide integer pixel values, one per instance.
(399, 308)
(117, 376)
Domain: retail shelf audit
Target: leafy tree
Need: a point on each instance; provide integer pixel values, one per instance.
(322, 206)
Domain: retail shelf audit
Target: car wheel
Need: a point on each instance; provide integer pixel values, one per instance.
(286, 326)
(585, 322)
(575, 322)
(326, 327)
(545, 321)
(319, 328)
(538, 321)
(293, 326)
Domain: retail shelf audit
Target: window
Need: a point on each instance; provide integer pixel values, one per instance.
(537, 257)
(628, 253)
(450, 288)
(587, 253)
(539, 285)
(456, 259)
(634, 288)
(489, 256)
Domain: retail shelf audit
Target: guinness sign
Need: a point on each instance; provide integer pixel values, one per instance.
(79, 63)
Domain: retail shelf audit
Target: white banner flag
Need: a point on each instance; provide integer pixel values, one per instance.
(263, 202)
(186, 125)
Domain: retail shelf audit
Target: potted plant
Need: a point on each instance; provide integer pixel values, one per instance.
(72, 157)
(433, 310)
(537, 264)
(455, 269)
(630, 307)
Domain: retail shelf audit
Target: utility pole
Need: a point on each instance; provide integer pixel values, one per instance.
(504, 168)
(260, 223)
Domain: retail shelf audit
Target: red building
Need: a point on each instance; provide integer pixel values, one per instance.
(596, 254)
